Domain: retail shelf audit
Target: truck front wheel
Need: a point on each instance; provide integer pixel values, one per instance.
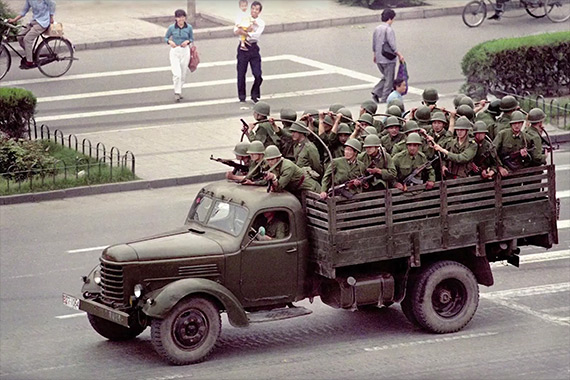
(445, 297)
(188, 333)
(113, 331)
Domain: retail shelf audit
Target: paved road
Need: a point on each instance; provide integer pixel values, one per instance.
(521, 328)
(123, 87)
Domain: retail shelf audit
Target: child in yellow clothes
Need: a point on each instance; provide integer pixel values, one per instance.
(243, 21)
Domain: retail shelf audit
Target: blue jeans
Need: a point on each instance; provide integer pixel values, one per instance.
(385, 86)
(250, 57)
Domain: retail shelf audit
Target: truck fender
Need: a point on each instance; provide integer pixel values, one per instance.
(160, 302)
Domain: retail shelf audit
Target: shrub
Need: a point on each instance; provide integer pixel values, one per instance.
(17, 107)
(381, 4)
(532, 64)
(23, 155)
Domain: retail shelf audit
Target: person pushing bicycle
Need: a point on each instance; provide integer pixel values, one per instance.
(43, 12)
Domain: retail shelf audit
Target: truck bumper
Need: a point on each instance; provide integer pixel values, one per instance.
(96, 309)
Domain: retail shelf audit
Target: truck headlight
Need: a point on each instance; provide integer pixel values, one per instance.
(97, 277)
(138, 291)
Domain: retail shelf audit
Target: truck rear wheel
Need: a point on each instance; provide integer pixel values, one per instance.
(406, 303)
(188, 333)
(113, 331)
(445, 297)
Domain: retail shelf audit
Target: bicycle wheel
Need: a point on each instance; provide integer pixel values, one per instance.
(557, 10)
(54, 56)
(474, 13)
(5, 61)
(535, 9)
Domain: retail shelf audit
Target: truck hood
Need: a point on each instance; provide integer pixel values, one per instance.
(179, 243)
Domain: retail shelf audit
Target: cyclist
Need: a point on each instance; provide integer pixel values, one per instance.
(43, 11)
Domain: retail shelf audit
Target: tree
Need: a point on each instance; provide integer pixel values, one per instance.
(191, 11)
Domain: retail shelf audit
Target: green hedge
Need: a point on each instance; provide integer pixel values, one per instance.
(17, 107)
(381, 4)
(535, 64)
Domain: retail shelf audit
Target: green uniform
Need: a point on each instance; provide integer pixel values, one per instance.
(265, 134)
(290, 177)
(383, 161)
(460, 156)
(379, 125)
(442, 139)
(286, 143)
(486, 156)
(277, 228)
(401, 146)
(307, 155)
(508, 147)
(489, 120)
(503, 122)
(388, 141)
(405, 165)
(255, 172)
(344, 171)
(534, 139)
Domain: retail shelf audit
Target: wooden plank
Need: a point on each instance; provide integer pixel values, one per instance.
(316, 213)
(520, 180)
(317, 222)
(489, 203)
(417, 204)
(526, 187)
(317, 204)
(499, 225)
(444, 215)
(361, 222)
(434, 212)
(470, 196)
(523, 197)
(471, 188)
(354, 205)
(552, 203)
(363, 213)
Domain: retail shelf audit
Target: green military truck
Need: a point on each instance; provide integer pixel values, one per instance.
(426, 249)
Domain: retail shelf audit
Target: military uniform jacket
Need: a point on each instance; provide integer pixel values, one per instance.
(383, 161)
(486, 156)
(460, 155)
(277, 228)
(534, 139)
(286, 143)
(405, 165)
(290, 177)
(344, 171)
(489, 120)
(508, 144)
(503, 122)
(379, 125)
(442, 139)
(255, 172)
(388, 142)
(401, 146)
(265, 134)
(307, 155)
(333, 143)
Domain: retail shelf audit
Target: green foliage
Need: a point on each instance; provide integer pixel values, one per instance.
(21, 156)
(534, 64)
(17, 107)
(381, 4)
(5, 11)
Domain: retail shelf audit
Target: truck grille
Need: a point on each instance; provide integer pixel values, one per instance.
(112, 283)
(200, 270)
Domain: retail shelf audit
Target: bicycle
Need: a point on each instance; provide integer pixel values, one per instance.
(53, 55)
(475, 12)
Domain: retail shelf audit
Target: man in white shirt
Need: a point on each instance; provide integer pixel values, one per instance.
(250, 56)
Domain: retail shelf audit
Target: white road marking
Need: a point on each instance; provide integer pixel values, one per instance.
(545, 256)
(67, 316)
(563, 224)
(87, 249)
(560, 168)
(428, 341)
(563, 194)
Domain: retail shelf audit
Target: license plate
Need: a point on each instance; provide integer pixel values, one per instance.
(70, 301)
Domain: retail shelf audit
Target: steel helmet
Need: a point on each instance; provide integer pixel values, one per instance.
(411, 126)
(463, 123)
(508, 103)
(272, 152)
(495, 107)
(241, 149)
(298, 127)
(439, 116)
(354, 144)
(394, 110)
(328, 120)
(256, 147)
(370, 130)
(392, 121)
(371, 140)
(288, 114)
(517, 117)
(430, 95)
(366, 118)
(465, 110)
(262, 108)
(370, 106)
(312, 112)
(335, 107)
(457, 100)
(343, 129)
(397, 102)
(536, 115)
(466, 100)
(423, 113)
(480, 127)
(346, 113)
(413, 138)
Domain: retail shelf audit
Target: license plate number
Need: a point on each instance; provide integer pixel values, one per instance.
(70, 301)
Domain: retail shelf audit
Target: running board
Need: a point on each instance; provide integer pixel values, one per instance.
(277, 314)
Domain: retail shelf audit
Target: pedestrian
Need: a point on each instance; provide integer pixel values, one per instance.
(250, 56)
(387, 66)
(400, 88)
(43, 12)
(180, 37)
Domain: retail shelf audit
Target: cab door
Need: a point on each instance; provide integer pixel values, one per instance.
(269, 268)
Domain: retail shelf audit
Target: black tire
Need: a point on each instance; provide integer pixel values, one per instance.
(54, 56)
(557, 10)
(188, 333)
(445, 297)
(406, 303)
(113, 331)
(536, 11)
(5, 61)
(474, 13)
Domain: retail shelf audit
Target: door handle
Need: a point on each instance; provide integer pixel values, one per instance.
(291, 250)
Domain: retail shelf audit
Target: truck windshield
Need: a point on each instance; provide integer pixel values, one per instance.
(222, 215)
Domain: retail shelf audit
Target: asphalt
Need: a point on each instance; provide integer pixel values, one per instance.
(96, 24)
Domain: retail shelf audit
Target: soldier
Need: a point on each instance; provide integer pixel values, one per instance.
(507, 106)
(457, 100)
(378, 162)
(512, 146)
(460, 151)
(370, 107)
(410, 159)
(430, 98)
(257, 165)
(240, 151)
(276, 226)
(393, 136)
(285, 175)
(486, 160)
(489, 116)
(345, 168)
(285, 141)
(346, 117)
(465, 110)
(422, 116)
(438, 135)
(363, 122)
(397, 102)
(326, 126)
(305, 152)
(410, 127)
(335, 107)
(534, 133)
(342, 136)
(264, 132)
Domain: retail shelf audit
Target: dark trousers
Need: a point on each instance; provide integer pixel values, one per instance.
(253, 58)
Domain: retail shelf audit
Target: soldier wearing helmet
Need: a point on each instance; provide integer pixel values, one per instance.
(460, 151)
(486, 160)
(345, 168)
(536, 117)
(489, 116)
(410, 127)
(264, 132)
(257, 165)
(305, 152)
(512, 145)
(422, 116)
(393, 134)
(370, 107)
(430, 97)
(360, 131)
(438, 134)
(284, 175)
(288, 116)
(378, 162)
(408, 160)
(507, 106)
(337, 145)
(240, 151)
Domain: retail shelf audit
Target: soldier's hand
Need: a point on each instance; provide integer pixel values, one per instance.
(356, 182)
(504, 172)
(399, 186)
(270, 176)
(524, 152)
(338, 116)
(248, 182)
(323, 195)
(321, 115)
(374, 170)
(430, 185)
(474, 167)
(251, 126)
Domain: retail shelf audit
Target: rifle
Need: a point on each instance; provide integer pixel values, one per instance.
(244, 129)
(513, 161)
(342, 188)
(411, 178)
(238, 167)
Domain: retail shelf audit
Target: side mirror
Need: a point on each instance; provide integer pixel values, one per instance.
(259, 232)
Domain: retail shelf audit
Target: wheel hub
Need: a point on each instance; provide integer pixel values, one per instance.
(190, 329)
